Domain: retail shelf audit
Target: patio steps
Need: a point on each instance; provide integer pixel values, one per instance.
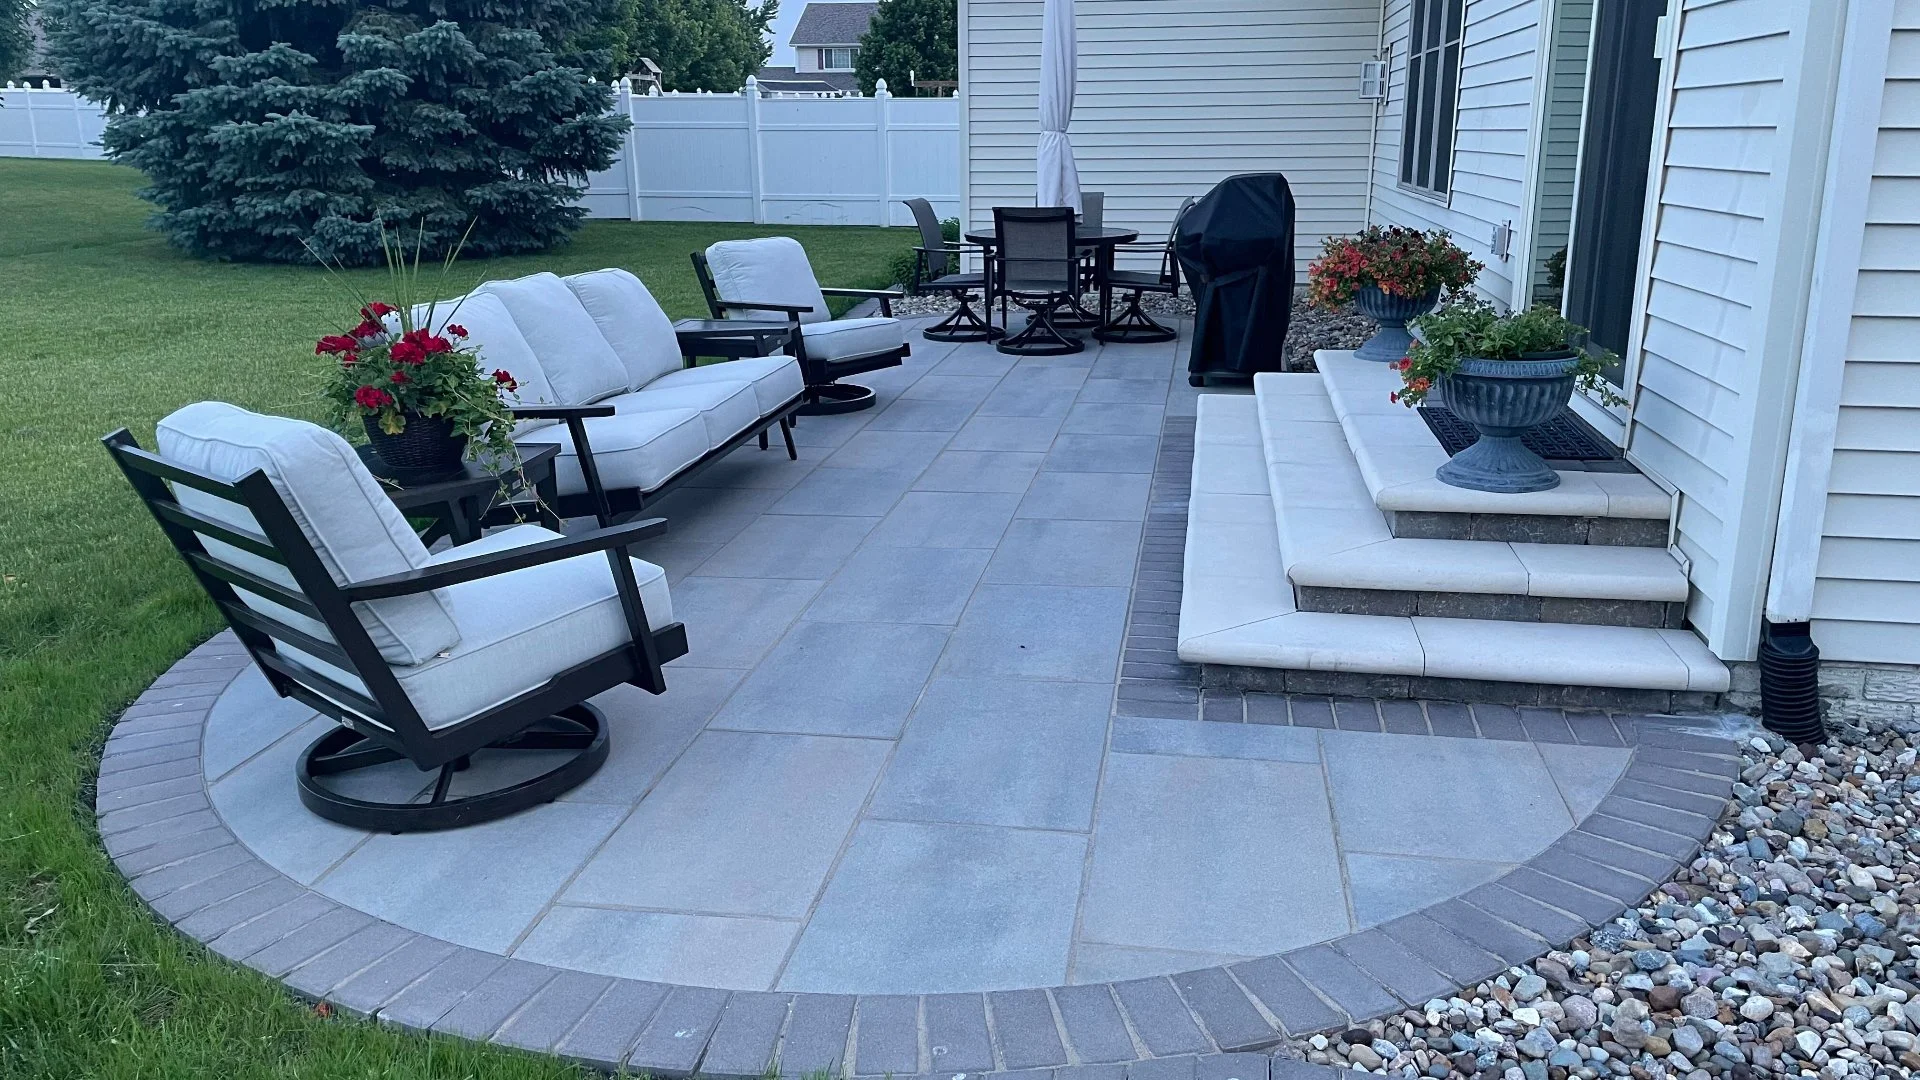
(1295, 580)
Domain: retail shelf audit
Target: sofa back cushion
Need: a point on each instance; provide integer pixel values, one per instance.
(772, 268)
(580, 366)
(632, 322)
(492, 332)
(353, 527)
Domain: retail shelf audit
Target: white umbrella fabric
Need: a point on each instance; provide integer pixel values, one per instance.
(1058, 178)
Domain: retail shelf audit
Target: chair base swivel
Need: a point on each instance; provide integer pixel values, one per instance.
(964, 324)
(1134, 327)
(1040, 338)
(579, 728)
(831, 398)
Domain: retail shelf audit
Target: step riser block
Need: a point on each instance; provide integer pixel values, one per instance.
(1528, 528)
(1506, 607)
(1428, 688)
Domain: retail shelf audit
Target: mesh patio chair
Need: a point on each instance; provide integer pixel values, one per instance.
(1135, 326)
(936, 266)
(1035, 262)
(492, 648)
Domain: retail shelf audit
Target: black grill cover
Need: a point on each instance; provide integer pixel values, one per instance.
(1236, 250)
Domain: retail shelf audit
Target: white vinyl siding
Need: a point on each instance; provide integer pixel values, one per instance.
(1866, 603)
(1714, 223)
(1173, 97)
(1491, 137)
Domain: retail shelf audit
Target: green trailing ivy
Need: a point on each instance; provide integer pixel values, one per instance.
(266, 129)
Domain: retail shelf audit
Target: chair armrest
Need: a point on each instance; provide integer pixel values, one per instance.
(885, 296)
(560, 412)
(505, 561)
(763, 305)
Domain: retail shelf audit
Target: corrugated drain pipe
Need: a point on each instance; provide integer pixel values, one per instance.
(1790, 682)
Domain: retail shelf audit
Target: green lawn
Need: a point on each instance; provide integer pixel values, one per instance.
(102, 325)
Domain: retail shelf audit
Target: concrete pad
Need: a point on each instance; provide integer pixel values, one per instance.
(822, 680)
(1385, 887)
(1448, 798)
(702, 950)
(1060, 632)
(1585, 774)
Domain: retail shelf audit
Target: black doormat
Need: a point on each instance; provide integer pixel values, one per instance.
(1566, 437)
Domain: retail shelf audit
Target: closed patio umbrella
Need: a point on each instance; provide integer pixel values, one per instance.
(1058, 179)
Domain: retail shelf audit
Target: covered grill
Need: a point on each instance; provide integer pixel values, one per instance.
(1236, 250)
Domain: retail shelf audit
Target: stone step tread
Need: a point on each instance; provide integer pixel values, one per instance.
(1332, 535)
(1397, 455)
(1237, 606)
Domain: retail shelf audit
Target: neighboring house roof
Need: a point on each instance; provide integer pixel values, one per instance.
(832, 24)
(786, 81)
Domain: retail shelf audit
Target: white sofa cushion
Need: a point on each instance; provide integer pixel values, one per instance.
(632, 322)
(776, 379)
(726, 408)
(519, 629)
(492, 332)
(353, 526)
(636, 450)
(844, 338)
(580, 366)
(773, 269)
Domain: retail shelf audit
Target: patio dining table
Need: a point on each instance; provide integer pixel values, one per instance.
(1103, 240)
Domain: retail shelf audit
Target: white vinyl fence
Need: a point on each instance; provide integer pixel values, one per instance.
(786, 159)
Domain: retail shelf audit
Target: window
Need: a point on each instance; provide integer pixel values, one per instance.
(1433, 91)
(837, 59)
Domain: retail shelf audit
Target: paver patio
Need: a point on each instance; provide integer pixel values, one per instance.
(899, 760)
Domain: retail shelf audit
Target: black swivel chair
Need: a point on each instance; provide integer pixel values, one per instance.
(936, 267)
(1037, 264)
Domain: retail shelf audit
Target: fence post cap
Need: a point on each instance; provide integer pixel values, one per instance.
(879, 87)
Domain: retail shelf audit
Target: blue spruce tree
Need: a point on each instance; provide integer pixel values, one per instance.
(265, 126)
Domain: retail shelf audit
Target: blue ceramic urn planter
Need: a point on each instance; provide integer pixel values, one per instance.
(1392, 313)
(1503, 400)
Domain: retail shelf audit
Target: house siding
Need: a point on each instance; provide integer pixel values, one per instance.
(1492, 134)
(1866, 604)
(1175, 96)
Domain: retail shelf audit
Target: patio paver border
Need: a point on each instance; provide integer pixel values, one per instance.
(159, 827)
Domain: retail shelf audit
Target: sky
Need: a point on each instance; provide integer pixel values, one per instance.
(783, 29)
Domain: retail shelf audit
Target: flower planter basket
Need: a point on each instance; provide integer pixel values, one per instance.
(427, 449)
(1503, 400)
(1392, 313)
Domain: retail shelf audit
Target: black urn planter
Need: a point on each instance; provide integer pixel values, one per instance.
(1392, 313)
(1503, 400)
(428, 449)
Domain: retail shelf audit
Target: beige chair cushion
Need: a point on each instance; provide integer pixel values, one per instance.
(772, 269)
(352, 525)
(492, 332)
(632, 322)
(775, 379)
(638, 450)
(846, 338)
(726, 408)
(580, 366)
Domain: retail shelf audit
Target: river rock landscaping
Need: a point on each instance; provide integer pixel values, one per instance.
(1786, 948)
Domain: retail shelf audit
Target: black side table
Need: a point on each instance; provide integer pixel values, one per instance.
(459, 503)
(733, 339)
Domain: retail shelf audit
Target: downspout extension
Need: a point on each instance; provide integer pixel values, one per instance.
(1790, 682)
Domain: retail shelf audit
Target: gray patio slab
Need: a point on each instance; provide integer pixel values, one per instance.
(1434, 797)
(1054, 551)
(1114, 418)
(896, 585)
(1385, 887)
(1039, 632)
(247, 719)
(1148, 391)
(1102, 453)
(1030, 434)
(862, 492)
(968, 388)
(968, 907)
(930, 519)
(683, 848)
(654, 729)
(1008, 471)
(281, 830)
(1097, 963)
(1087, 496)
(999, 753)
(732, 622)
(922, 414)
(732, 950)
(504, 873)
(1584, 773)
(782, 546)
(1191, 848)
(906, 451)
(845, 692)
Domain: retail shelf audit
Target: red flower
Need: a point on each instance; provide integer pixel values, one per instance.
(1405, 364)
(1394, 397)
(349, 359)
(367, 329)
(399, 378)
(456, 330)
(428, 343)
(335, 343)
(505, 380)
(407, 352)
(373, 311)
(371, 397)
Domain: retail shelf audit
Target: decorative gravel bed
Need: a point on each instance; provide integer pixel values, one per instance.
(1310, 328)
(1787, 948)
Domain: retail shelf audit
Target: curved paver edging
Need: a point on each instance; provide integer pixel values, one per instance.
(161, 830)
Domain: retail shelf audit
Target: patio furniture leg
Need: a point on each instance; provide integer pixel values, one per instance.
(963, 324)
(579, 728)
(1040, 337)
(763, 438)
(786, 432)
(1134, 326)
